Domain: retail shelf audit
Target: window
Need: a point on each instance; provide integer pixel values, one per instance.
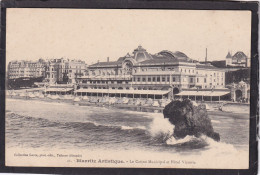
(168, 79)
(197, 80)
(158, 79)
(173, 79)
(134, 79)
(163, 79)
(138, 79)
(191, 80)
(144, 79)
(205, 80)
(149, 79)
(154, 79)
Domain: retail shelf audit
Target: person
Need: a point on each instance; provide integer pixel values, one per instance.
(220, 107)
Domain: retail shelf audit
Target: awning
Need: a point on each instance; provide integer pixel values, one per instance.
(203, 93)
(58, 89)
(117, 91)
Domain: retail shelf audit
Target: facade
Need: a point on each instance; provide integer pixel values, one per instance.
(65, 70)
(26, 69)
(240, 92)
(54, 71)
(166, 71)
(238, 59)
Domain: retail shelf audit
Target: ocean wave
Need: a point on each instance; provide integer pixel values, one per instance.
(173, 141)
(209, 145)
(160, 126)
(86, 125)
(215, 121)
(132, 128)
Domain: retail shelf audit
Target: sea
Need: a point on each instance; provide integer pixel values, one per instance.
(111, 133)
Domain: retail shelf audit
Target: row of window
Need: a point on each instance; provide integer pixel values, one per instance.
(105, 82)
(154, 79)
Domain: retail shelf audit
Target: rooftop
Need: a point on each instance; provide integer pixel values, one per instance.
(141, 56)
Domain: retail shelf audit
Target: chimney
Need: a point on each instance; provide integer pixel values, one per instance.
(107, 59)
(206, 58)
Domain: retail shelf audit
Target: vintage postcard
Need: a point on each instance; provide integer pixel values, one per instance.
(127, 88)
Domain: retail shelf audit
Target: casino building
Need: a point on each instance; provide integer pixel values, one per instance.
(162, 75)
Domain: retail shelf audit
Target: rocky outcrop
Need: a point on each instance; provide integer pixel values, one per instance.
(189, 119)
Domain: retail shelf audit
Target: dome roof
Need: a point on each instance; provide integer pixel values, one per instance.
(140, 54)
(179, 54)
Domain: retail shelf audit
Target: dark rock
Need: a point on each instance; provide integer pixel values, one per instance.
(189, 119)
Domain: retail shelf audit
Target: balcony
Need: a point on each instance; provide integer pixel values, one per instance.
(107, 77)
(105, 85)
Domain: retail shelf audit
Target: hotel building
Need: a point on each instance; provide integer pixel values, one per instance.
(159, 75)
(64, 70)
(26, 69)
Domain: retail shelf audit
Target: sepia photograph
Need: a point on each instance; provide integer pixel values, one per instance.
(127, 88)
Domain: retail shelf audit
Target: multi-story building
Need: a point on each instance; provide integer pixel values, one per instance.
(54, 70)
(163, 72)
(76, 69)
(64, 70)
(26, 69)
(239, 59)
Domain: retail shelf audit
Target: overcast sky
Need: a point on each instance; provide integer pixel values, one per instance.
(93, 35)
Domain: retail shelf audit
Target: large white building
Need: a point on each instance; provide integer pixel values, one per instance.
(165, 73)
(26, 69)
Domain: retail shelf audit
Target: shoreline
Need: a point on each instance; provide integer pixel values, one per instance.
(128, 107)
